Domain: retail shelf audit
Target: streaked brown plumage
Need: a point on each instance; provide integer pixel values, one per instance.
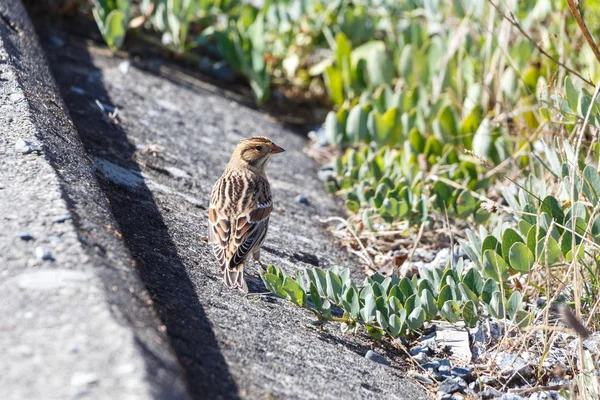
(239, 209)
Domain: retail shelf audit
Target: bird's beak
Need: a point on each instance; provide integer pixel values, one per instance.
(276, 149)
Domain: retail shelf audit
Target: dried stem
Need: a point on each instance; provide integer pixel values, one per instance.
(586, 33)
(516, 24)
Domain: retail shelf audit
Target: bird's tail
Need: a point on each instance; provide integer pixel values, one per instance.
(234, 278)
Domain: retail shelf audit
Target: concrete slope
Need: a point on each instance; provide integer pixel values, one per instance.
(77, 321)
(157, 143)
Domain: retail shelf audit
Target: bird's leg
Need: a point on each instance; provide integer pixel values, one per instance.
(256, 256)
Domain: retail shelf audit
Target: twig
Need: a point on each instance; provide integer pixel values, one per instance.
(514, 22)
(586, 33)
(539, 389)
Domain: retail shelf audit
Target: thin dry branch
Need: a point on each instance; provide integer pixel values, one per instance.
(516, 24)
(586, 33)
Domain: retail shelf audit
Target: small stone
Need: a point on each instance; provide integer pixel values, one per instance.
(326, 174)
(420, 377)
(540, 396)
(72, 348)
(445, 365)
(25, 147)
(419, 349)
(302, 200)
(41, 253)
(421, 358)
(496, 329)
(61, 218)
(83, 379)
(26, 236)
(57, 41)
(478, 351)
(223, 71)
(378, 358)
(452, 385)
(509, 396)
(177, 173)
(444, 396)
(77, 90)
(509, 363)
(489, 393)
(487, 379)
(124, 67)
(431, 366)
(478, 334)
(428, 340)
(540, 302)
(462, 372)
(441, 258)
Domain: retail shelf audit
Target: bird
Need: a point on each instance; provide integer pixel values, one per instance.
(240, 207)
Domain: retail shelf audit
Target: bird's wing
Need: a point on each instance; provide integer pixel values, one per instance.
(234, 237)
(251, 229)
(219, 229)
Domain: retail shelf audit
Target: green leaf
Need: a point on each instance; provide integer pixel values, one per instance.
(465, 204)
(491, 243)
(381, 319)
(395, 325)
(466, 293)
(551, 207)
(352, 300)
(520, 257)
(395, 306)
(407, 288)
(334, 84)
(375, 332)
(356, 126)
(380, 68)
(450, 311)
(445, 295)
(368, 311)
(552, 250)
(482, 141)
(321, 281)
(509, 237)
(496, 306)
(514, 304)
(494, 266)
(572, 94)
(333, 129)
(315, 297)
(489, 287)
(472, 279)
(411, 303)
(114, 29)
(274, 285)
(591, 184)
(428, 304)
(416, 319)
(425, 284)
(295, 293)
(334, 286)
(469, 314)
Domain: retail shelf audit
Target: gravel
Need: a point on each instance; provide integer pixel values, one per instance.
(378, 358)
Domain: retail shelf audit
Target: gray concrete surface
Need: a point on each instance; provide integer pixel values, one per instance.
(76, 319)
(155, 164)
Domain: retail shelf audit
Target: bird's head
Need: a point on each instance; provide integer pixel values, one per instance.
(255, 152)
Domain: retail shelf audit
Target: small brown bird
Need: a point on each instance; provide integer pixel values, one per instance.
(240, 207)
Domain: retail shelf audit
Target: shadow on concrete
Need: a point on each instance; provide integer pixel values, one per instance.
(141, 224)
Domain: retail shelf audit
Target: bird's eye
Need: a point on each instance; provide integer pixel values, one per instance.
(259, 148)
